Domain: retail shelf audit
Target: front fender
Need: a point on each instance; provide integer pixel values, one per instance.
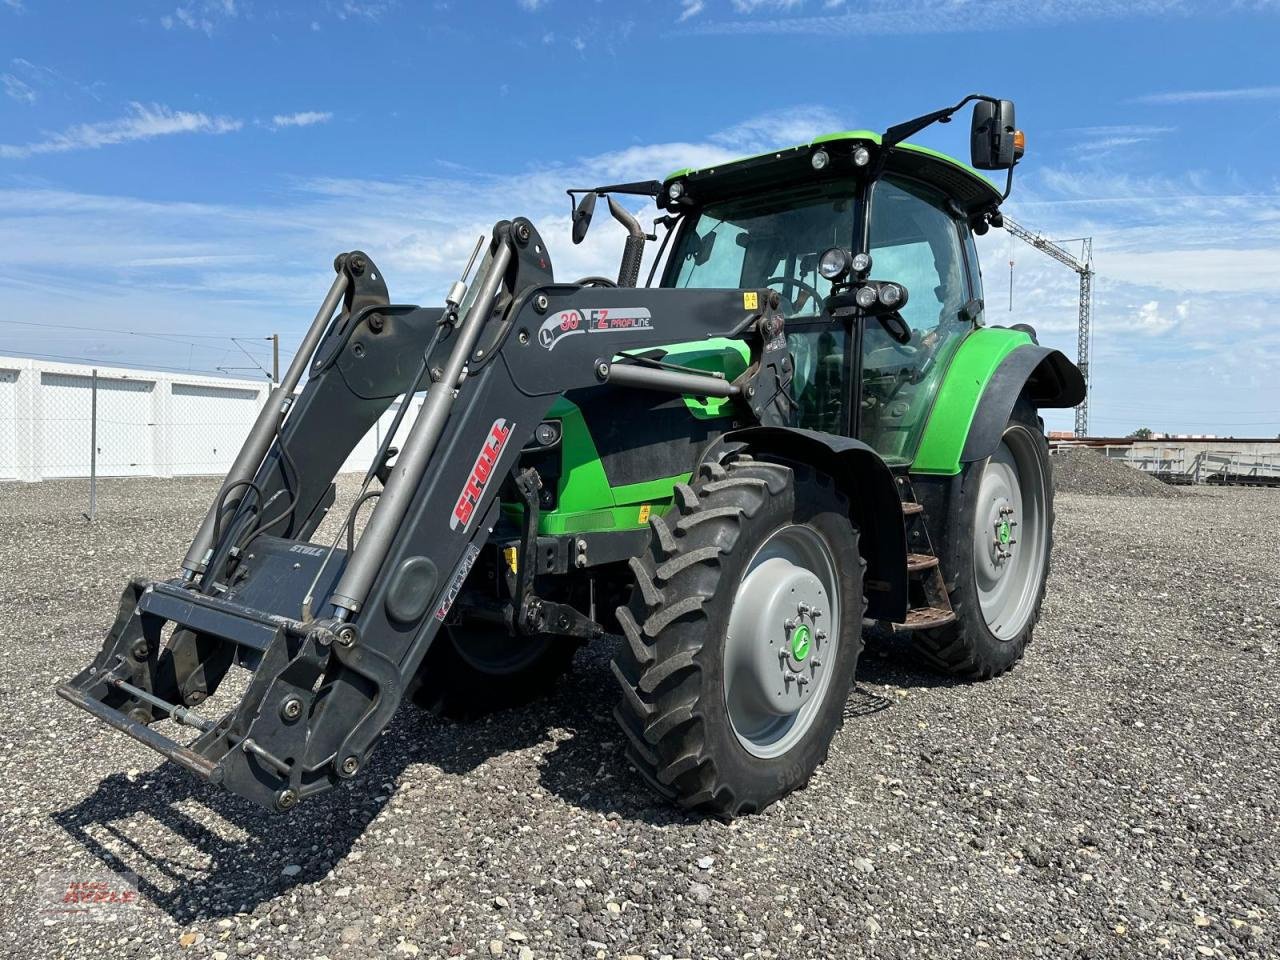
(875, 505)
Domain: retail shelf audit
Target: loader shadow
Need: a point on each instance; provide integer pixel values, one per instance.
(197, 852)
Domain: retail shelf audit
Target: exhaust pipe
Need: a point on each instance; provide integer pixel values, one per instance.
(633, 252)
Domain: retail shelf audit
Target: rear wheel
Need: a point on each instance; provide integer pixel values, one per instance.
(1001, 558)
(474, 668)
(742, 636)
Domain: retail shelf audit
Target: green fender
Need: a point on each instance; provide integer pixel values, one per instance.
(990, 370)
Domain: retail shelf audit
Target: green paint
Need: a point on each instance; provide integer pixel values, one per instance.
(585, 500)
(800, 640)
(976, 360)
(1005, 533)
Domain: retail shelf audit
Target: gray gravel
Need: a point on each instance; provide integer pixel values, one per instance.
(1114, 796)
(1079, 470)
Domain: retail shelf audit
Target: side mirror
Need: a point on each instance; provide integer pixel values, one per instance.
(991, 138)
(582, 216)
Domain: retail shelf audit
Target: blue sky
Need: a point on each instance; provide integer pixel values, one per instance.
(176, 174)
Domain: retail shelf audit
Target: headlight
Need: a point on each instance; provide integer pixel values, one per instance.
(861, 156)
(676, 190)
(890, 295)
(862, 264)
(865, 297)
(834, 263)
(819, 159)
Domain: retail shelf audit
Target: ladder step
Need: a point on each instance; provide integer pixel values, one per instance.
(926, 618)
(910, 508)
(920, 561)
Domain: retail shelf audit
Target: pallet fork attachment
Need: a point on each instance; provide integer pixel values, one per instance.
(333, 637)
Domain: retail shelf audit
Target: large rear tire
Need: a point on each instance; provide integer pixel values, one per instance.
(474, 669)
(1000, 560)
(742, 636)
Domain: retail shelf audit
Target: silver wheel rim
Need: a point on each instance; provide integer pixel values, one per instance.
(1009, 536)
(780, 647)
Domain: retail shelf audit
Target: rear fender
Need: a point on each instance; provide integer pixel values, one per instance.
(866, 480)
(1044, 375)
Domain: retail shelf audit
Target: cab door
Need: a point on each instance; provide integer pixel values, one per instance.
(916, 241)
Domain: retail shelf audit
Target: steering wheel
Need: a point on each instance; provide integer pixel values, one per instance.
(596, 282)
(798, 284)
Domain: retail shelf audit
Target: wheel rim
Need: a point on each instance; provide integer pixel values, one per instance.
(1009, 536)
(780, 647)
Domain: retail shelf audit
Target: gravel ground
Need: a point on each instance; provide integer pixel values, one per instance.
(1115, 795)
(1084, 471)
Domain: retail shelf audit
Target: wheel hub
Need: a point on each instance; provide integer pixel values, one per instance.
(777, 643)
(1009, 539)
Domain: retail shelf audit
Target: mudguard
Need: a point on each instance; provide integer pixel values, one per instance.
(873, 495)
(1047, 377)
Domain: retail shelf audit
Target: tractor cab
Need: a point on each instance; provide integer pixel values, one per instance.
(768, 221)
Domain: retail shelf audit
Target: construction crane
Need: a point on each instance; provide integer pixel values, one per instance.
(1083, 265)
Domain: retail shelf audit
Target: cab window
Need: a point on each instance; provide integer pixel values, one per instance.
(915, 241)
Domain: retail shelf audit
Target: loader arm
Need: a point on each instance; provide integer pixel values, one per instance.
(333, 636)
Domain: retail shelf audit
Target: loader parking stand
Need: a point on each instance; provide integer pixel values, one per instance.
(801, 450)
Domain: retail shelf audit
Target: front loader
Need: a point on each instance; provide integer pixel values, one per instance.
(801, 426)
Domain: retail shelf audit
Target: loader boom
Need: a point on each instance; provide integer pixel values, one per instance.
(324, 688)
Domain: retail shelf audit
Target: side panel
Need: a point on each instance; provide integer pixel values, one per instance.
(963, 385)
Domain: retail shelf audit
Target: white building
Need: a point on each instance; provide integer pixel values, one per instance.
(149, 422)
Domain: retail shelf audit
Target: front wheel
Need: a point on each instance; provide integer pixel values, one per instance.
(1000, 562)
(742, 636)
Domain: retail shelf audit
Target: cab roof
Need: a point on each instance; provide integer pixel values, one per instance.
(973, 192)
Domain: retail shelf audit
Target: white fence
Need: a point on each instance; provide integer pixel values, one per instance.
(148, 423)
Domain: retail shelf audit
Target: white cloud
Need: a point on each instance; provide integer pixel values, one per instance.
(363, 9)
(14, 5)
(16, 89)
(306, 118)
(145, 122)
(1150, 320)
(531, 5)
(690, 8)
(751, 6)
(202, 15)
(1208, 96)
(881, 17)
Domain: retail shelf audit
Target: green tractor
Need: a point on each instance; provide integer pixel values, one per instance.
(799, 426)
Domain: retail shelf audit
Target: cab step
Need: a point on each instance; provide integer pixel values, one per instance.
(918, 562)
(927, 618)
(910, 508)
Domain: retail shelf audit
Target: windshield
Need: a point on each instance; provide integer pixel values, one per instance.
(767, 241)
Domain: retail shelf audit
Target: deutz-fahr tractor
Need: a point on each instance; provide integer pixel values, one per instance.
(799, 428)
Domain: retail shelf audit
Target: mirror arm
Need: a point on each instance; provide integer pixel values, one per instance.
(901, 131)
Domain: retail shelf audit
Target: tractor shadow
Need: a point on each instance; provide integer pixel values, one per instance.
(197, 852)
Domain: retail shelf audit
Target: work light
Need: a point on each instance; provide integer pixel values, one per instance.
(890, 294)
(834, 263)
